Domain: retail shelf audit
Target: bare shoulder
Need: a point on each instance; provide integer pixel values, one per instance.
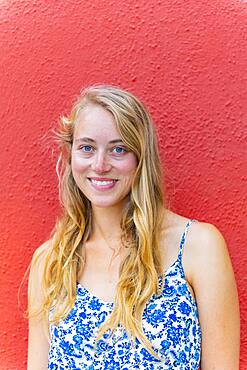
(205, 247)
(38, 260)
(207, 238)
(207, 263)
(36, 275)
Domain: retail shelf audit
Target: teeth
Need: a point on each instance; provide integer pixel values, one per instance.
(96, 182)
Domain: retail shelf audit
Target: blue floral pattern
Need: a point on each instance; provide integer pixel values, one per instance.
(170, 322)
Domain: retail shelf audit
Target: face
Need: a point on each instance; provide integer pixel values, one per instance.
(102, 166)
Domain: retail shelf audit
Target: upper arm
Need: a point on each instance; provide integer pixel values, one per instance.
(38, 341)
(213, 281)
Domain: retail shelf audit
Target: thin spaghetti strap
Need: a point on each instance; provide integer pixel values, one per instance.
(182, 242)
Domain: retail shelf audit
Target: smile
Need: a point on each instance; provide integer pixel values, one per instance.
(102, 184)
(97, 182)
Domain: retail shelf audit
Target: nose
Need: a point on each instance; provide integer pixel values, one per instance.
(100, 163)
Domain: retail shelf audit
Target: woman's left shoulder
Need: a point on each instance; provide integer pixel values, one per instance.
(205, 248)
(203, 239)
(206, 257)
(206, 242)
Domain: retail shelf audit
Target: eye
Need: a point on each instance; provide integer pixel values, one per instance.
(119, 150)
(86, 148)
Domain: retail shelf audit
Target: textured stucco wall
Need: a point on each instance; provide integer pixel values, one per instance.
(185, 59)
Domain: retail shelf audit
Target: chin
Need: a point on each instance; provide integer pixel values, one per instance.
(107, 203)
(104, 204)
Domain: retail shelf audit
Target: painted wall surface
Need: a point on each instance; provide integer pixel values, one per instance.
(185, 59)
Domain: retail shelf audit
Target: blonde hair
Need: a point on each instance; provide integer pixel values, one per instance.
(141, 222)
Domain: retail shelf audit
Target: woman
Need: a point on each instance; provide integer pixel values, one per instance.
(124, 283)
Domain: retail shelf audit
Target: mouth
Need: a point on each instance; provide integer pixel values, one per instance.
(102, 183)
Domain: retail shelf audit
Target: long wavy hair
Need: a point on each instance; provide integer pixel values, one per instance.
(141, 222)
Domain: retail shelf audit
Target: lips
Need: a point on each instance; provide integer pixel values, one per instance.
(101, 179)
(102, 183)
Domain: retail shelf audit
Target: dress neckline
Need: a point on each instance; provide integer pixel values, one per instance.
(165, 273)
(111, 303)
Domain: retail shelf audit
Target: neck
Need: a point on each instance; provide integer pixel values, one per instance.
(106, 223)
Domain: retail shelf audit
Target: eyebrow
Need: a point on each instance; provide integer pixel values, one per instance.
(89, 140)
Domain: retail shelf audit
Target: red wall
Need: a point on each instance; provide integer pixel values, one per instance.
(185, 59)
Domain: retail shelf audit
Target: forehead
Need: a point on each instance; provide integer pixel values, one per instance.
(94, 120)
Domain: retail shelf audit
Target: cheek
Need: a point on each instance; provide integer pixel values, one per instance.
(129, 165)
(77, 165)
(78, 168)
